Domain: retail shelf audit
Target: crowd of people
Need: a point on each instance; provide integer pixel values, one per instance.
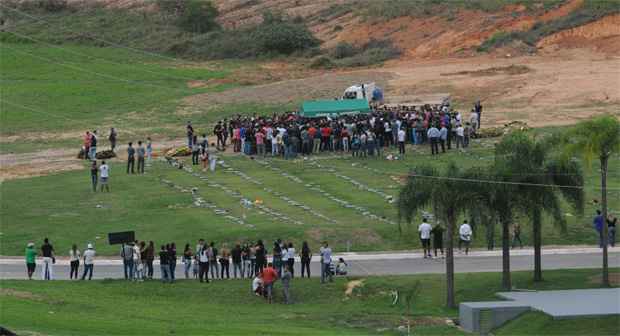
(361, 135)
(206, 262)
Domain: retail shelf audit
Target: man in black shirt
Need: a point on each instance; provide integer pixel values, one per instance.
(47, 251)
(131, 154)
(437, 233)
(190, 134)
(164, 262)
(236, 259)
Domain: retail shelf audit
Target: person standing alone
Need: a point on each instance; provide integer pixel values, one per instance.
(465, 236)
(31, 255)
(112, 138)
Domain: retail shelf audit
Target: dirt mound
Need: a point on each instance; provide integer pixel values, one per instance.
(504, 70)
(602, 35)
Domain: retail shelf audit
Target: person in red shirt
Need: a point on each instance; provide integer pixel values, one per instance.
(325, 134)
(269, 277)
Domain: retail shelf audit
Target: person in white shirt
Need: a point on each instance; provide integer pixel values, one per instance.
(401, 141)
(465, 236)
(473, 120)
(443, 138)
(460, 136)
(203, 264)
(74, 261)
(433, 134)
(104, 175)
(425, 236)
(89, 258)
(257, 286)
(326, 260)
(137, 263)
(290, 255)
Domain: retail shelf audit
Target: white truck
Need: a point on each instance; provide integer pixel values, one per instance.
(368, 91)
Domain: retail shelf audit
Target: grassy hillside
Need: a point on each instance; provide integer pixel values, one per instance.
(228, 307)
(63, 207)
(71, 87)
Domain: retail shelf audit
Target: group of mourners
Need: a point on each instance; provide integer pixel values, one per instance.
(206, 261)
(362, 135)
(100, 172)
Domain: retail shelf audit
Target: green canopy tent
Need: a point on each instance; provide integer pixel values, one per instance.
(333, 108)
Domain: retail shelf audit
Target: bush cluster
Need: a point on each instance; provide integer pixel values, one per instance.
(345, 54)
(274, 36)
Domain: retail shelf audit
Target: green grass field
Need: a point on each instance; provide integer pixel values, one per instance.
(63, 207)
(228, 308)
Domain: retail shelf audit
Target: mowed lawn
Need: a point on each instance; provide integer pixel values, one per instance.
(228, 307)
(63, 207)
(50, 89)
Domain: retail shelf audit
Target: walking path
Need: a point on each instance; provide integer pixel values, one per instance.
(377, 263)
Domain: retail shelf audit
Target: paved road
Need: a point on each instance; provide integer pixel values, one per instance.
(376, 264)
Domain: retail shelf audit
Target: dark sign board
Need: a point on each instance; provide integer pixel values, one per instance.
(121, 237)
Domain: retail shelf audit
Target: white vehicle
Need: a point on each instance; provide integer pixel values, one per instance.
(368, 91)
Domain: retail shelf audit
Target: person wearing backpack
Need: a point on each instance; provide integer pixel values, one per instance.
(127, 252)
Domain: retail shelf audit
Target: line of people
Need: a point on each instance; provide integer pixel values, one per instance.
(205, 261)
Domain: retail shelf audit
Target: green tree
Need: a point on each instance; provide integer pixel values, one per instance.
(598, 137)
(449, 195)
(198, 16)
(540, 181)
(498, 199)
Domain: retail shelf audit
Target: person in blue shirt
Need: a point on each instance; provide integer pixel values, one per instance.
(598, 225)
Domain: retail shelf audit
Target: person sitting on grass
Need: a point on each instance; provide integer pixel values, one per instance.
(269, 276)
(257, 286)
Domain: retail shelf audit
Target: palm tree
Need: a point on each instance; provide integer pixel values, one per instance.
(501, 200)
(540, 182)
(449, 195)
(597, 137)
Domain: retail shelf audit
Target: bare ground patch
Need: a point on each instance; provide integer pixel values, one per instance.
(20, 294)
(614, 279)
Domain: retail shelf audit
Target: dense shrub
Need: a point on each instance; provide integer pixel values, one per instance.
(343, 50)
(52, 5)
(283, 37)
(198, 16)
(322, 62)
(371, 53)
(275, 36)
